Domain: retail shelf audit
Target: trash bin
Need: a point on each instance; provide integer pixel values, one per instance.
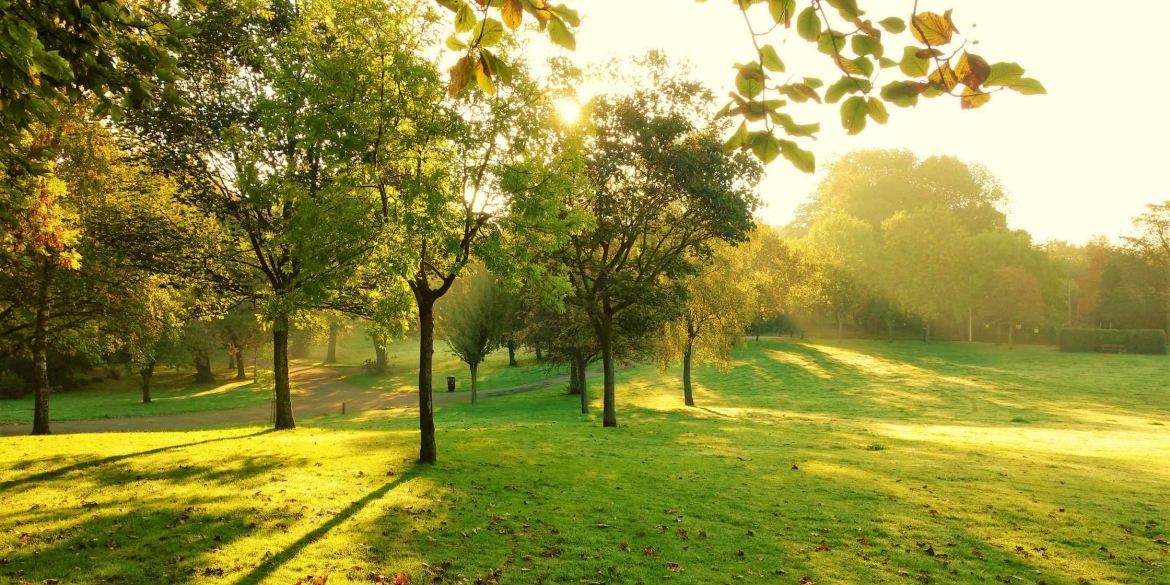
(450, 383)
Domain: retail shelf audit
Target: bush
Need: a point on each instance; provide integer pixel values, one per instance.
(12, 385)
(1147, 341)
(1152, 341)
(1078, 340)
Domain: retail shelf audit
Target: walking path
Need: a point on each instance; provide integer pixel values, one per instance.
(323, 391)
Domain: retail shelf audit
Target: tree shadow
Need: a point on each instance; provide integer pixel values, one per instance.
(275, 562)
(83, 465)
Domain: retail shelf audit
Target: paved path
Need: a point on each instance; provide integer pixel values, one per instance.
(323, 392)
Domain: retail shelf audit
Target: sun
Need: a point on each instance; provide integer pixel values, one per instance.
(568, 108)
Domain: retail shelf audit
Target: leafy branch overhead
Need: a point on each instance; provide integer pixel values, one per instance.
(935, 64)
(477, 29)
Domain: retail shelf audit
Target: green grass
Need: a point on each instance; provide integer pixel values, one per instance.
(172, 392)
(775, 470)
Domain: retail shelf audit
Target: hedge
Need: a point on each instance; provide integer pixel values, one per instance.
(1134, 340)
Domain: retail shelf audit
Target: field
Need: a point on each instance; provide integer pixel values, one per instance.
(854, 462)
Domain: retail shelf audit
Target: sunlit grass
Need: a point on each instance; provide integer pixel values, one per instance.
(776, 470)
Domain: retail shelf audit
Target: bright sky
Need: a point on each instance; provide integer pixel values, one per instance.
(1078, 162)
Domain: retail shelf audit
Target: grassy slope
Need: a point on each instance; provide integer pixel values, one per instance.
(1018, 466)
(171, 393)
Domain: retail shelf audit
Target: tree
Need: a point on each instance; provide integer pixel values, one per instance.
(652, 191)
(840, 247)
(473, 320)
(1012, 295)
(874, 185)
(719, 306)
(926, 261)
(263, 148)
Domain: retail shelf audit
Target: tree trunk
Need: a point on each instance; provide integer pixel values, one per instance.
(512, 353)
(203, 373)
(688, 398)
(998, 332)
(474, 371)
(582, 385)
(428, 451)
(240, 374)
(574, 381)
(40, 350)
(890, 330)
(1011, 330)
(840, 328)
(147, 372)
(539, 356)
(380, 352)
(609, 403)
(970, 328)
(331, 351)
(231, 360)
(926, 333)
(284, 411)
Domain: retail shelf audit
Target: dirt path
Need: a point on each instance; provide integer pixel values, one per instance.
(323, 392)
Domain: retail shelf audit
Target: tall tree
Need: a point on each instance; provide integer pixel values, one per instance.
(1011, 296)
(841, 248)
(652, 191)
(927, 259)
(264, 149)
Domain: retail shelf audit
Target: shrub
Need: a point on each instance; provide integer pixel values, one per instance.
(1147, 341)
(1078, 340)
(1152, 341)
(12, 385)
(1112, 337)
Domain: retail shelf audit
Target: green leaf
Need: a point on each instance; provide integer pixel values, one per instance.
(560, 34)
(912, 65)
(800, 93)
(800, 158)
(867, 45)
(464, 18)
(901, 94)
(893, 24)
(808, 24)
(886, 63)
(749, 86)
(570, 16)
(792, 128)
(848, 9)
(455, 43)
(770, 59)
(782, 11)
(813, 82)
(831, 42)
(1003, 74)
(877, 111)
(484, 79)
(853, 113)
(737, 140)
(1027, 86)
(765, 146)
(488, 33)
(844, 86)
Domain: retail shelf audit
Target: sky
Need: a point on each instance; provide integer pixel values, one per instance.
(1076, 163)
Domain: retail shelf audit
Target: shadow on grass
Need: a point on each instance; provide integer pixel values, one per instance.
(275, 562)
(83, 465)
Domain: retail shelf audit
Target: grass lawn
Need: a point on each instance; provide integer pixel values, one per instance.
(171, 393)
(859, 462)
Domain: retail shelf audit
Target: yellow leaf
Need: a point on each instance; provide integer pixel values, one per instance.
(944, 77)
(973, 98)
(484, 79)
(512, 13)
(931, 28)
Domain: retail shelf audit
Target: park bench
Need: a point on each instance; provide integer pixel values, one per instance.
(1111, 348)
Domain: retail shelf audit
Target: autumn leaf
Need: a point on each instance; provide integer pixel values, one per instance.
(973, 98)
(932, 29)
(512, 13)
(972, 70)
